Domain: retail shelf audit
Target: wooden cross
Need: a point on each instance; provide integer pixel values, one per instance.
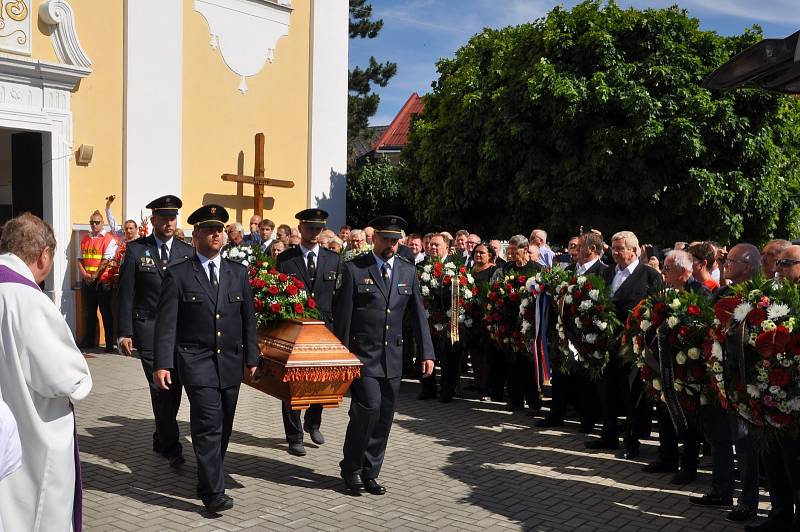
(257, 179)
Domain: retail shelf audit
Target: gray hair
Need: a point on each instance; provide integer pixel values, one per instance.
(516, 240)
(26, 236)
(631, 242)
(237, 226)
(681, 259)
(541, 233)
(356, 232)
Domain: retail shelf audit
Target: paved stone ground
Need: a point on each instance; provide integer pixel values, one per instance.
(460, 466)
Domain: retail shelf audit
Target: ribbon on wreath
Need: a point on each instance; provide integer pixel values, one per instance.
(539, 346)
(569, 330)
(454, 310)
(666, 364)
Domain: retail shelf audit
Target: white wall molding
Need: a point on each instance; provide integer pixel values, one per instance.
(58, 15)
(327, 155)
(153, 114)
(35, 96)
(246, 32)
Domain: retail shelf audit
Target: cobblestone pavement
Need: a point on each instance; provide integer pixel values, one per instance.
(466, 465)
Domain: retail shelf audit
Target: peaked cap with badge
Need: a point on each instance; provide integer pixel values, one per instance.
(313, 217)
(165, 205)
(389, 226)
(210, 215)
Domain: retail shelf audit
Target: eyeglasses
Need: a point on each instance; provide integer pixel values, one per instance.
(96, 222)
(787, 263)
(572, 246)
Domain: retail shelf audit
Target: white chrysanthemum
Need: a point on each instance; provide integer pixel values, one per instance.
(774, 389)
(636, 348)
(467, 294)
(594, 294)
(675, 304)
(793, 404)
(693, 353)
(568, 299)
(590, 338)
(716, 351)
(657, 384)
(468, 322)
(644, 325)
(427, 268)
(245, 263)
(425, 276)
(425, 291)
(524, 302)
(585, 305)
(581, 280)
(578, 323)
(530, 284)
(439, 327)
(601, 325)
(741, 311)
(449, 313)
(777, 310)
(242, 254)
(434, 283)
(672, 321)
(526, 326)
(680, 358)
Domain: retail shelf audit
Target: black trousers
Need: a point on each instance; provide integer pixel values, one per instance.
(451, 356)
(97, 295)
(621, 389)
(372, 407)
(165, 403)
(782, 463)
(575, 388)
(498, 370)
(668, 440)
(522, 384)
(292, 425)
(211, 419)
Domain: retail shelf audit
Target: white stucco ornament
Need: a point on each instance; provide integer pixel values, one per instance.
(246, 31)
(60, 19)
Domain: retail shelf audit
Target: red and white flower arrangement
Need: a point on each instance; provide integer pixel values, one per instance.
(278, 296)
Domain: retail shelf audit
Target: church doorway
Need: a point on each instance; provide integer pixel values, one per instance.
(21, 174)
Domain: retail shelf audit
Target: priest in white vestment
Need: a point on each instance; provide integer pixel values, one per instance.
(42, 374)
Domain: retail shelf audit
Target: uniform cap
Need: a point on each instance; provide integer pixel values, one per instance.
(165, 205)
(210, 215)
(313, 217)
(389, 226)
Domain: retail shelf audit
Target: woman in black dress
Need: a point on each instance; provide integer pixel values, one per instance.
(486, 362)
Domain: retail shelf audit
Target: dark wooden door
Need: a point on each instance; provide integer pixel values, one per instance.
(27, 188)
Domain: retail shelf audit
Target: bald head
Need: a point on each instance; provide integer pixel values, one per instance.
(742, 264)
(789, 264)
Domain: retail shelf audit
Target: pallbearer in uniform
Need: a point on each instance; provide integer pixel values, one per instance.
(143, 271)
(318, 268)
(374, 292)
(206, 313)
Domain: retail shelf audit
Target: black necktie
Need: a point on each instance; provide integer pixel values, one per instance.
(385, 275)
(164, 254)
(312, 268)
(212, 274)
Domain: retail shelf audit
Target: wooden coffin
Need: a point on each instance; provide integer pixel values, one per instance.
(303, 363)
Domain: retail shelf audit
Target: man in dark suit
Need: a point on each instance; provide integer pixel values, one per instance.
(374, 292)
(576, 387)
(143, 271)
(206, 313)
(630, 281)
(318, 268)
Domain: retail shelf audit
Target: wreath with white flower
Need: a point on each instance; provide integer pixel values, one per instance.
(436, 279)
(544, 282)
(244, 254)
(586, 325)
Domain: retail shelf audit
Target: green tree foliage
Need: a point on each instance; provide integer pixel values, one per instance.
(596, 116)
(362, 102)
(374, 190)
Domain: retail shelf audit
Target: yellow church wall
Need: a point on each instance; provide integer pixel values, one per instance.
(219, 122)
(41, 48)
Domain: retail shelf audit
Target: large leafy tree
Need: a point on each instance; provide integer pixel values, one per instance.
(362, 102)
(374, 189)
(596, 116)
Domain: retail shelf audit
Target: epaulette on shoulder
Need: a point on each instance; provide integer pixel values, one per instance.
(236, 263)
(183, 243)
(178, 262)
(405, 259)
(142, 240)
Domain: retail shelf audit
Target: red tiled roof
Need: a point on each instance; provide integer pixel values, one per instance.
(397, 135)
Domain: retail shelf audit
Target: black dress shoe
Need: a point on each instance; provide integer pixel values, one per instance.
(316, 435)
(550, 422)
(597, 445)
(176, 461)
(740, 514)
(660, 466)
(709, 499)
(353, 483)
(220, 504)
(372, 486)
(297, 448)
(629, 452)
(683, 477)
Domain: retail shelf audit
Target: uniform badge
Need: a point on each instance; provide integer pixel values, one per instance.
(339, 281)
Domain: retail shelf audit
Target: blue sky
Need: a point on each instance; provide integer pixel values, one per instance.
(417, 33)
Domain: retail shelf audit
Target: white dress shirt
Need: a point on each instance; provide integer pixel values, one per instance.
(167, 242)
(621, 275)
(305, 253)
(583, 268)
(216, 260)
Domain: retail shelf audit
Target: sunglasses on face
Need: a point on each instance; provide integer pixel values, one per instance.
(787, 263)
(96, 222)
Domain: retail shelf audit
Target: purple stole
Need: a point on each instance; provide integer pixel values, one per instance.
(7, 275)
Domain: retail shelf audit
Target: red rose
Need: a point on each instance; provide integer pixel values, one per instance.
(275, 308)
(475, 291)
(292, 290)
(299, 284)
(577, 294)
(587, 285)
(680, 372)
(600, 308)
(283, 277)
(756, 316)
(273, 271)
(723, 310)
(646, 373)
(698, 372)
(683, 330)
(779, 377)
(462, 269)
(492, 296)
(446, 280)
(781, 419)
(693, 310)
(258, 305)
(513, 296)
(273, 289)
(509, 288)
(660, 307)
(298, 308)
(637, 312)
(521, 279)
(772, 342)
(311, 303)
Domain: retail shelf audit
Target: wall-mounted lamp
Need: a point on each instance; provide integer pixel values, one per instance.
(84, 154)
